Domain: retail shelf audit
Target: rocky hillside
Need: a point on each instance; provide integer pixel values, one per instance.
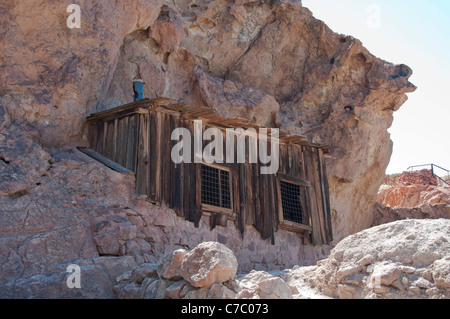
(269, 61)
(404, 259)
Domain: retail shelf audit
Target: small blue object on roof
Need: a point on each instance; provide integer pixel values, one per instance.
(138, 88)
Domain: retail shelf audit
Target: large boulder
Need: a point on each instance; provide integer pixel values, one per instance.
(209, 263)
(402, 259)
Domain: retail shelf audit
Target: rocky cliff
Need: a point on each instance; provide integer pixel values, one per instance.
(269, 61)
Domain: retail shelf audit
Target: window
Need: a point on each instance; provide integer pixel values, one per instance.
(291, 202)
(216, 188)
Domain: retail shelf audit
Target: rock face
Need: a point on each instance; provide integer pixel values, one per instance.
(60, 71)
(413, 189)
(384, 214)
(422, 177)
(411, 195)
(271, 62)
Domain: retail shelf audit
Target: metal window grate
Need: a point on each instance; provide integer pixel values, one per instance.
(291, 202)
(216, 187)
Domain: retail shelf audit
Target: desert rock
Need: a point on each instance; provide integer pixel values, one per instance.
(399, 260)
(270, 62)
(208, 263)
(169, 266)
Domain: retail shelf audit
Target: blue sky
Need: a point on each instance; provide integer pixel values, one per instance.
(416, 33)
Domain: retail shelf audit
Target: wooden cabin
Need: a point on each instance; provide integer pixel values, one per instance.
(136, 138)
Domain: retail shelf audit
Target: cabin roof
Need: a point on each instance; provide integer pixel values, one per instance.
(203, 113)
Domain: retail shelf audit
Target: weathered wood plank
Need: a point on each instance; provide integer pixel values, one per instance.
(284, 160)
(132, 138)
(196, 196)
(319, 197)
(266, 209)
(250, 214)
(178, 180)
(121, 152)
(158, 157)
(93, 135)
(313, 206)
(127, 108)
(142, 171)
(294, 180)
(166, 159)
(190, 176)
(100, 140)
(326, 198)
(273, 209)
(115, 141)
(109, 141)
(240, 194)
(106, 161)
(154, 155)
(257, 195)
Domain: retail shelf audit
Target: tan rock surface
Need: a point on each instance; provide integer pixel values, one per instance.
(207, 264)
(411, 194)
(169, 266)
(402, 259)
(413, 189)
(262, 285)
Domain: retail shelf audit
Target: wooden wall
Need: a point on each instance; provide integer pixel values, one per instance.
(141, 142)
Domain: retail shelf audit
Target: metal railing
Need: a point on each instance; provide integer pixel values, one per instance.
(433, 170)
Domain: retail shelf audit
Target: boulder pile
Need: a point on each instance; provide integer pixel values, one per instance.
(206, 272)
(403, 259)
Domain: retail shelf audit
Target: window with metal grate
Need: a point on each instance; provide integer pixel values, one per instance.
(216, 187)
(291, 201)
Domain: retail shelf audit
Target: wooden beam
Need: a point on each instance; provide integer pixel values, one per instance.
(105, 161)
(295, 227)
(127, 108)
(216, 209)
(294, 180)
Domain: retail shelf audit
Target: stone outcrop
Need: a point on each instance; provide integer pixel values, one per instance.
(403, 259)
(207, 264)
(385, 214)
(422, 177)
(411, 195)
(413, 189)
